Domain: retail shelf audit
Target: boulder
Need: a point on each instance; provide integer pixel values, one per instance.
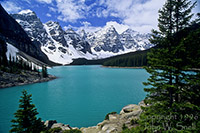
(49, 123)
(93, 129)
(113, 117)
(55, 125)
(66, 127)
(62, 126)
(112, 125)
(130, 108)
(110, 128)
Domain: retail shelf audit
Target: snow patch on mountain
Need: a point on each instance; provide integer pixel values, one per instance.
(63, 46)
(59, 53)
(11, 51)
(28, 11)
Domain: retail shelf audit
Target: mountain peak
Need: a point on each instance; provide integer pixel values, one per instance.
(70, 31)
(129, 31)
(111, 27)
(83, 34)
(52, 24)
(107, 29)
(28, 12)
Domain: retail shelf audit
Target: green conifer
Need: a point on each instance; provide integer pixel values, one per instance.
(169, 82)
(25, 118)
(44, 72)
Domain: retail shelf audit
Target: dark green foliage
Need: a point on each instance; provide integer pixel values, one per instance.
(134, 121)
(25, 118)
(134, 130)
(3, 50)
(136, 59)
(124, 127)
(14, 65)
(44, 72)
(191, 42)
(54, 130)
(107, 116)
(172, 89)
(133, 59)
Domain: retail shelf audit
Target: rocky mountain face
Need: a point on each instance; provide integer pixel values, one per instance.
(63, 46)
(60, 46)
(78, 41)
(106, 39)
(11, 32)
(133, 40)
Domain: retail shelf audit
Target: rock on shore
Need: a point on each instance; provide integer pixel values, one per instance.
(114, 124)
(128, 115)
(22, 78)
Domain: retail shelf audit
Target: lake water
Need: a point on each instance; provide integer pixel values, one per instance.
(80, 97)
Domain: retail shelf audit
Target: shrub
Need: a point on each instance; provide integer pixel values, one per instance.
(54, 130)
(124, 127)
(134, 121)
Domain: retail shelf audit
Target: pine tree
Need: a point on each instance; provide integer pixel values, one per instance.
(3, 50)
(25, 118)
(44, 72)
(169, 81)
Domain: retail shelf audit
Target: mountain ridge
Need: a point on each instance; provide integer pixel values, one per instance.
(63, 46)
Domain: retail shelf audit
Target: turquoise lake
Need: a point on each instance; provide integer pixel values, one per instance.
(81, 96)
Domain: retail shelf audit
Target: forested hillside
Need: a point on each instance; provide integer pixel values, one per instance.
(132, 59)
(136, 59)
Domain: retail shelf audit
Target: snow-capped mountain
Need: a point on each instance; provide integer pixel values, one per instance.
(14, 36)
(106, 39)
(63, 46)
(32, 25)
(79, 42)
(133, 40)
(60, 46)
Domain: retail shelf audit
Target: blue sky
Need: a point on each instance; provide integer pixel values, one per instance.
(140, 15)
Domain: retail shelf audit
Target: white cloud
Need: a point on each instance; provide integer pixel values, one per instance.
(89, 28)
(134, 13)
(86, 24)
(28, 1)
(45, 1)
(48, 15)
(52, 9)
(196, 9)
(11, 7)
(71, 10)
(70, 27)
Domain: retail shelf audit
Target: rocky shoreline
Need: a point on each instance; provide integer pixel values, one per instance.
(22, 78)
(113, 124)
